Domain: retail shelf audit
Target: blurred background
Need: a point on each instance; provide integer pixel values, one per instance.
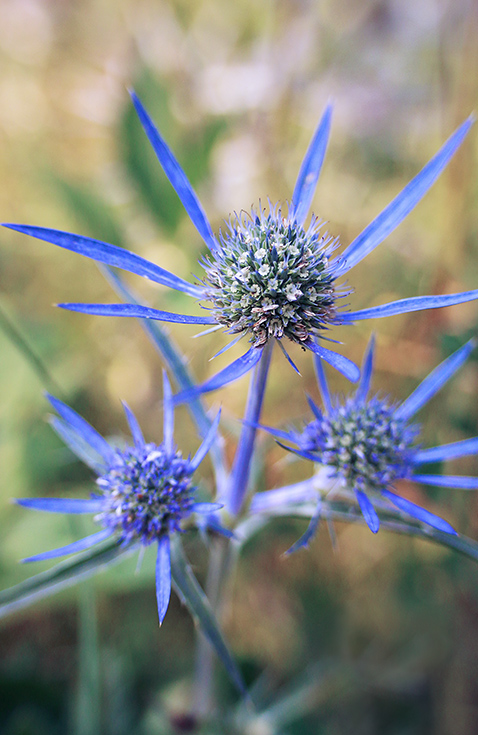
(237, 89)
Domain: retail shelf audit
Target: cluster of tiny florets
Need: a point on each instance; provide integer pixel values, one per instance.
(146, 493)
(271, 278)
(364, 444)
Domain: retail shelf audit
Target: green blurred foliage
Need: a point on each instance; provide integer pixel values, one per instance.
(236, 88)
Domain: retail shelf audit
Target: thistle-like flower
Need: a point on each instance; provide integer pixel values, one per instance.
(364, 445)
(145, 491)
(268, 276)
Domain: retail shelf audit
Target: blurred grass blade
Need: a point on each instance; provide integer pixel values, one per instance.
(88, 696)
(179, 372)
(198, 605)
(23, 345)
(62, 575)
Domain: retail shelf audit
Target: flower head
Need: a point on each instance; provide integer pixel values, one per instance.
(272, 279)
(145, 491)
(268, 277)
(365, 444)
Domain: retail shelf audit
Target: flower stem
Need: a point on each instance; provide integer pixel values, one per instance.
(219, 564)
(242, 461)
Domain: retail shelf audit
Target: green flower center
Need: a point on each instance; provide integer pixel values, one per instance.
(272, 278)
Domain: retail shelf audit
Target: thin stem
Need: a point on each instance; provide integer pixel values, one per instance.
(23, 345)
(243, 458)
(88, 698)
(204, 667)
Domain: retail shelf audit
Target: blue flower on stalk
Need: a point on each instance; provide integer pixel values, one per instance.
(268, 276)
(145, 491)
(365, 444)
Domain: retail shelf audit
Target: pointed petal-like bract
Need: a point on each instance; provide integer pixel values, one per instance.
(73, 548)
(400, 207)
(434, 381)
(136, 310)
(176, 176)
(78, 445)
(461, 448)
(459, 482)
(310, 532)
(323, 384)
(368, 511)
(288, 357)
(339, 362)
(109, 254)
(206, 444)
(404, 306)
(83, 428)
(163, 577)
(310, 170)
(61, 505)
(300, 452)
(314, 408)
(232, 372)
(134, 426)
(366, 375)
(206, 507)
(276, 432)
(168, 415)
(419, 513)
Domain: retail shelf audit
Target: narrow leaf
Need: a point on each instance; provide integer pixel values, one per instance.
(73, 548)
(200, 609)
(339, 362)
(63, 575)
(368, 511)
(403, 204)
(447, 451)
(419, 513)
(163, 577)
(310, 169)
(136, 310)
(134, 426)
(460, 482)
(61, 505)
(366, 376)
(78, 445)
(83, 428)
(434, 381)
(103, 252)
(176, 175)
(232, 372)
(403, 306)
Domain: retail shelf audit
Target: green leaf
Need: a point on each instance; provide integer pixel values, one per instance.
(64, 574)
(190, 592)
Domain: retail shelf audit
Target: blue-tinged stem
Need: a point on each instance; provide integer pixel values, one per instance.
(242, 461)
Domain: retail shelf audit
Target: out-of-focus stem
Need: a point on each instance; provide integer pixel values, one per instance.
(204, 669)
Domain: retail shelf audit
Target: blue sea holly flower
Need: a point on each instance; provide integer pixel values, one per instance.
(145, 491)
(268, 276)
(364, 445)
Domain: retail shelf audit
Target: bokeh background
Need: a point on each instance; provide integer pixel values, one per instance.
(384, 630)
